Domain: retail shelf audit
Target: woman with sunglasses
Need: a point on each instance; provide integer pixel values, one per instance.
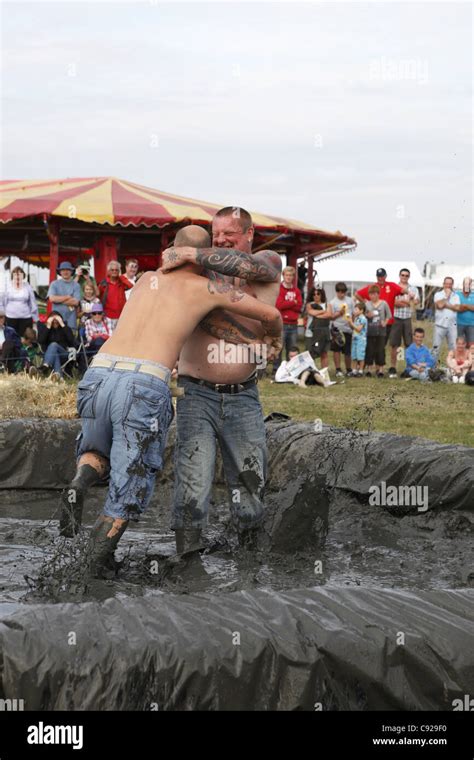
(318, 334)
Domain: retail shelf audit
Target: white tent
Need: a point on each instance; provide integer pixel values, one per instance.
(359, 272)
(435, 274)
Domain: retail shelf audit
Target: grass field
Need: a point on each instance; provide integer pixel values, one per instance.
(442, 412)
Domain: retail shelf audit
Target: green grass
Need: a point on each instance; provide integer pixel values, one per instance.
(440, 411)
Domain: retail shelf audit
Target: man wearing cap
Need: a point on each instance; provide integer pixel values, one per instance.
(98, 329)
(65, 295)
(388, 293)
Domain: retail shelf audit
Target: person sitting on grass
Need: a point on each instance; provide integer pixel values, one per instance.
(459, 361)
(55, 338)
(307, 376)
(378, 313)
(418, 358)
(359, 339)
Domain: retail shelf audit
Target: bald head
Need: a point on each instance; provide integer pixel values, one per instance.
(192, 235)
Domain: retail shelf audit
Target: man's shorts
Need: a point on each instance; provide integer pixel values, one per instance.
(125, 417)
(319, 343)
(346, 347)
(466, 332)
(401, 328)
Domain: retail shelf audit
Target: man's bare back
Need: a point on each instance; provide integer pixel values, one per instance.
(163, 311)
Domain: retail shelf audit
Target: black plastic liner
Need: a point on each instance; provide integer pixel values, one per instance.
(330, 649)
(40, 454)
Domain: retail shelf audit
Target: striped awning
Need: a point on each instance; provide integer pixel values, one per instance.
(112, 201)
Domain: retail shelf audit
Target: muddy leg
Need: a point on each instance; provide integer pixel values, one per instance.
(90, 469)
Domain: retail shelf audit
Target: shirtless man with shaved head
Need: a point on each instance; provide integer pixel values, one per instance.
(124, 397)
(221, 405)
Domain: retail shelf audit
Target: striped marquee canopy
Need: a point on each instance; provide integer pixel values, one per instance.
(45, 222)
(112, 201)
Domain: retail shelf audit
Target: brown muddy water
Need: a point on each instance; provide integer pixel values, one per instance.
(365, 547)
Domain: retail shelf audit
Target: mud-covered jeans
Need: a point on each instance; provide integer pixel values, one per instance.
(206, 419)
(125, 417)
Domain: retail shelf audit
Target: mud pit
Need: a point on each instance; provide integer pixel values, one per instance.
(317, 620)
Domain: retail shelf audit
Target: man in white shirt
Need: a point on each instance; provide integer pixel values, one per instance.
(445, 303)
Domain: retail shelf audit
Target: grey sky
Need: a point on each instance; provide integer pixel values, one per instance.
(350, 116)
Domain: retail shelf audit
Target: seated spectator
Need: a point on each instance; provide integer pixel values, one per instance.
(318, 334)
(87, 301)
(459, 361)
(341, 331)
(98, 329)
(282, 375)
(20, 303)
(469, 379)
(32, 351)
(418, 358)
(55, 338)
(10, 345)
(378, 313)
(112, 292)
(302, 375)
(358, 324)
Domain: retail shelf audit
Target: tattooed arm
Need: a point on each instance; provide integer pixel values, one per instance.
(222, 325)
(264, 266)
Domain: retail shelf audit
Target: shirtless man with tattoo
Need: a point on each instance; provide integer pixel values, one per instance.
(221, 405)
(124, 398)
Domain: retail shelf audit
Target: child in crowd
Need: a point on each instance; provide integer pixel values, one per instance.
(359, 339)
(418, 358)
(459, 361)
(31, 350)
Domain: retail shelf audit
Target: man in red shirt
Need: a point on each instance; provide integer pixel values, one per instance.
(112, 292)
(388, 292)
(289, 304)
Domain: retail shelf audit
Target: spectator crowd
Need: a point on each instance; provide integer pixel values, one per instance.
(376, 320)
(82, 316)
(359, 331)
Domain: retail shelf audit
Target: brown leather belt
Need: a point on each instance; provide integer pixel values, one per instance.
(223, 387)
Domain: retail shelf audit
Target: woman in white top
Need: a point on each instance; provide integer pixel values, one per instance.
(19, 302)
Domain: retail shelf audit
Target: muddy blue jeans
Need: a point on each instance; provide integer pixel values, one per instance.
(125, 417)
(234, 422)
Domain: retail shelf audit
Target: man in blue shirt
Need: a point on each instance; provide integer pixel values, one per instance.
(418, 358)
(65, 295)
(466, 312)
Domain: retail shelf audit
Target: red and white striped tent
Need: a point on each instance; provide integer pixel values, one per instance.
(47, 221)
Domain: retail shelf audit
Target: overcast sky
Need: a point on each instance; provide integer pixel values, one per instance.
(349, 116)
